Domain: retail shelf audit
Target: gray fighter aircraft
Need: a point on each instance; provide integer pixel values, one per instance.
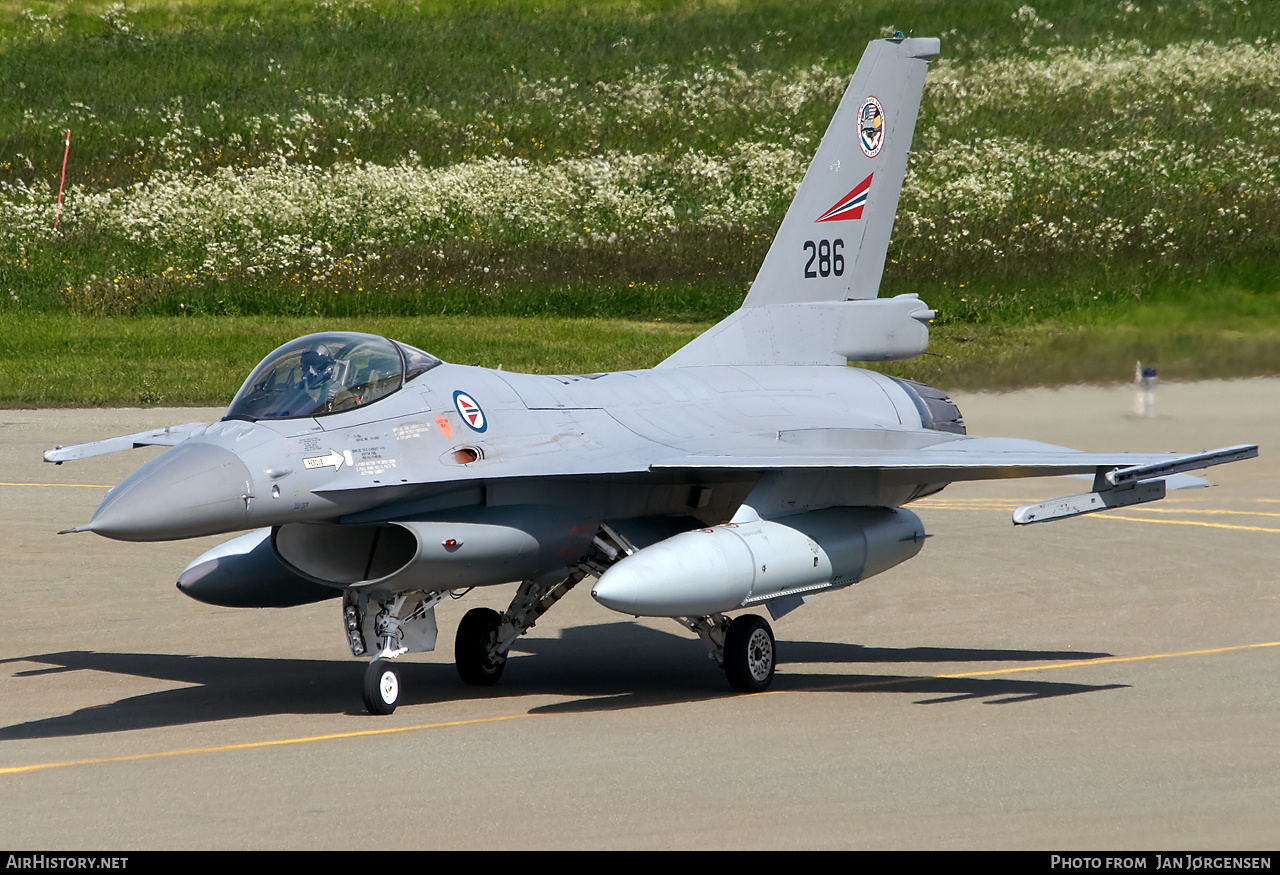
(752, 468)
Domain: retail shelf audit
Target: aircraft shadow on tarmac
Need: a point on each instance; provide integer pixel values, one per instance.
(605, 667)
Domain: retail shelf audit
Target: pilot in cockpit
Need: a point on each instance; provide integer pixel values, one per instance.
(319, 367)
(327, 373)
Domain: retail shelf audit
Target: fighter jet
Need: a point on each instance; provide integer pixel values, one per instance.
(754, 468)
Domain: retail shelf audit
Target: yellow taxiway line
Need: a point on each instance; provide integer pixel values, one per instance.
(1083, 663)
(252, 745)
(49, 485)
(367, 733)
(1207, 525)
(1009, 505)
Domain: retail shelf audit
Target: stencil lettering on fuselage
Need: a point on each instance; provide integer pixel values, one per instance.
(410, 430)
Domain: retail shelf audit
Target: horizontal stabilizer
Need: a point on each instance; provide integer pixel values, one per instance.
(168, 436)
(826, 333)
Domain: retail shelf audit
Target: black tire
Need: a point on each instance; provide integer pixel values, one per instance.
(750, 654)
(472, 648)
(381, 687)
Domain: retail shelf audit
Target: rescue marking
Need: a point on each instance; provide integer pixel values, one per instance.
(871, 127)
(470, 411)
(446, 429)
(333, 459)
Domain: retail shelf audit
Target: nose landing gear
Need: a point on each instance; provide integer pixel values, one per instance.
(381, 687)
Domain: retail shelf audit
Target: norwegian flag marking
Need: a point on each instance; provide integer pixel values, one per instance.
(850, 206)
(470, 411)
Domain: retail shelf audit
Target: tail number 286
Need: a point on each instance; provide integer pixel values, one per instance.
(827, 255)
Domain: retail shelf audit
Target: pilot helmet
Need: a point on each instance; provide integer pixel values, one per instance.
(317, 366)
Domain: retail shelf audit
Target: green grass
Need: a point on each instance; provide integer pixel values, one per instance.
(55, 360)
(1080, 194)
(467, 61)
(983, 358)
(52, 360)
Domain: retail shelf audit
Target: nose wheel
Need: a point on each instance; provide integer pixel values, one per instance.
(750, 654)
(381, 687)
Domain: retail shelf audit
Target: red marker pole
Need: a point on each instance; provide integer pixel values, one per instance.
(62, 183)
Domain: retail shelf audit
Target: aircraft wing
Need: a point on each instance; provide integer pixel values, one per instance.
(1120, 479)
(971, 459)
(168, 436)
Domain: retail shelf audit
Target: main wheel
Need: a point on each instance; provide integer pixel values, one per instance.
(381, 687)
(473, 652)
(749, 654)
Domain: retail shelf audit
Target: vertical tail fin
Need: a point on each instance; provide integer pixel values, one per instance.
(813, 300)
(832, 243)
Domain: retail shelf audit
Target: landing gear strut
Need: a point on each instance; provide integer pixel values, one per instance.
(485, 637)
(384, 626)
(744, 647)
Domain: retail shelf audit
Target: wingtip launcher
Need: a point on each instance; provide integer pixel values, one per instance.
(1123, 487)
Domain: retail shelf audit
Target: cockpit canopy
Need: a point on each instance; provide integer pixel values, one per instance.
(327, 373)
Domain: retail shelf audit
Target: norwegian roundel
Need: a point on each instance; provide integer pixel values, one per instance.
(470, 411)
(871, 127)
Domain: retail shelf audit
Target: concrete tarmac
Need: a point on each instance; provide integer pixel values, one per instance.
(1105, 682)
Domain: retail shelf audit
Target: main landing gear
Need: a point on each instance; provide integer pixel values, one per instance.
(485, 637)
(475, 648)
(743, 646)
(750, 654)
(385, 625)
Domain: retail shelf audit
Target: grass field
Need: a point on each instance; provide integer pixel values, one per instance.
(1091, 182)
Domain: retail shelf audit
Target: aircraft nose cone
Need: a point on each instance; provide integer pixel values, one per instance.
(194, 489)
